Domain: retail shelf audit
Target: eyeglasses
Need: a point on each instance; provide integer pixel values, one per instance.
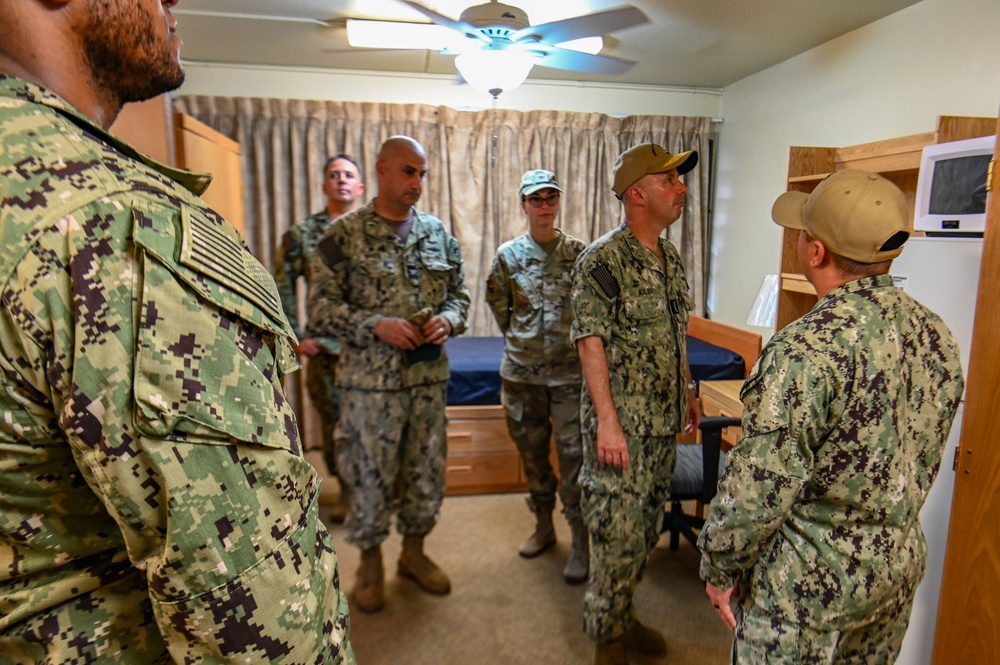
(537, 201)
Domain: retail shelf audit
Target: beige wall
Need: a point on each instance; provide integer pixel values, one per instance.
(891, 78)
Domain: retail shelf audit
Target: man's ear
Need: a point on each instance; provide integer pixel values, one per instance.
(818, 254)
(636, 194)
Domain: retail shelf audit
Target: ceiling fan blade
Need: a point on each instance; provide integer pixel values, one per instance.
(576, 61)
(600, 23)
(459, 26)
(400, 35)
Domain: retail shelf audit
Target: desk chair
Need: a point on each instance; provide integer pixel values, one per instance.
(696, 478)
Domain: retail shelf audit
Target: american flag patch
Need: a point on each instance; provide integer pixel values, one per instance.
(605, 280)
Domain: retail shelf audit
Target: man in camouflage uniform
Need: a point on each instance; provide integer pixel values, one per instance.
(154, 502)
(388, 281)
(814, 534)
(342, 186)
(631, 303)
(528, 290)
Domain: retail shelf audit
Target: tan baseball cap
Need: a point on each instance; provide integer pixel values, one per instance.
(854, 213)
(646, 158)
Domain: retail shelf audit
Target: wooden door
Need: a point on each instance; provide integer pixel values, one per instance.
(201, 148)
(968, 628)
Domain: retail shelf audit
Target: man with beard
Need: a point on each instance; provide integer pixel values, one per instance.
(154, 502)
(342, 186)
(389, 282)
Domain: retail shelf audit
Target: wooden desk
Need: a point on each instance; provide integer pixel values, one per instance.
(722, 398)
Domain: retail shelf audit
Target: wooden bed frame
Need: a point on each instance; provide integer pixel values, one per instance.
(482, 459)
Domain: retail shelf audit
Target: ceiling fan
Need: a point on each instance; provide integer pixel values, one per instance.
(497, 46)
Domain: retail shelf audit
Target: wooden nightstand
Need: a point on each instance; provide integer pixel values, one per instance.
(722, 398)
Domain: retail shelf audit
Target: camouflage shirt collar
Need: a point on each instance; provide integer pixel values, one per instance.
(13, 87)
(862, 284)
(639, 251)
(557, 251)
(375, 226)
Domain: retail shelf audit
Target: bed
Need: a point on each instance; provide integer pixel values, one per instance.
(482, 458)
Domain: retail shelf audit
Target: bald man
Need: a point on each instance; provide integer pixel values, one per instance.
(388, 281)
(155, 506)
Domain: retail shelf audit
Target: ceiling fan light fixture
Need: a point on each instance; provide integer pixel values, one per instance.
(495, 70)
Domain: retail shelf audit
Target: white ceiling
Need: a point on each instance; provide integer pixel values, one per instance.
(688, 43)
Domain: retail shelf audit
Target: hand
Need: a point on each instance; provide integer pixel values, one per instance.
(612, 448)
(693, 416)
(398, 332)
(720, 601)
(308, 347)
(436, 330)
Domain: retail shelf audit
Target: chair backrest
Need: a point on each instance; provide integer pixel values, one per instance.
(711, 447)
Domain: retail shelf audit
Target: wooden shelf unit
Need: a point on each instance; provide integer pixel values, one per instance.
(898, 159)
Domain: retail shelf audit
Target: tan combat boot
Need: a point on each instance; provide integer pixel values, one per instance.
(543, 538)
(578, 564)
(413, 563)
(369, 592)
(611, 653)
(643, 639)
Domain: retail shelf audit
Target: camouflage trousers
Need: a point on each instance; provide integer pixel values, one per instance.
(623, 511)
(533, 413)
(761, 638)
(385, 435)
(321, 374)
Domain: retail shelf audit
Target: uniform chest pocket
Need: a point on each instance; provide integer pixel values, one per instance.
(645, 319)
(525, 294)
(373, 281)
(436, 273)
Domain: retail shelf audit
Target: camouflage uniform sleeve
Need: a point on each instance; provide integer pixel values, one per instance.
(456, 305)
(288, 267)
(166, 384)
(498, 292)
(784, 400)
(595, 292)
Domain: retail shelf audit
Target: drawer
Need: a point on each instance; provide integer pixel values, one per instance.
(489, 472)
(479, 436)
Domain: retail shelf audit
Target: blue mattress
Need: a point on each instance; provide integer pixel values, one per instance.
(475, 367)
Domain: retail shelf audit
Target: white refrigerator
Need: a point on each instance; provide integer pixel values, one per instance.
(943, 274)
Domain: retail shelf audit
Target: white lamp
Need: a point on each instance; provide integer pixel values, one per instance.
(495, 70)
(764, 312)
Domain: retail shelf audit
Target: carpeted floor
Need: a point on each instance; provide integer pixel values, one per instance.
(507, 610)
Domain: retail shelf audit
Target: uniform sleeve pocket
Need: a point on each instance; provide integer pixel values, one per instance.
(208, 358)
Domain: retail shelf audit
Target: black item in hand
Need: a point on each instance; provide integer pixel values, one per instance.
(422, 353)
